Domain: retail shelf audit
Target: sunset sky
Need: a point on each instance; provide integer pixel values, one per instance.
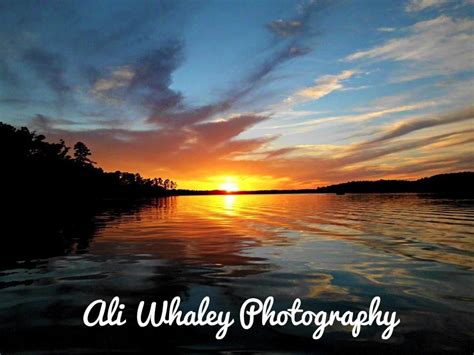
(251, 94)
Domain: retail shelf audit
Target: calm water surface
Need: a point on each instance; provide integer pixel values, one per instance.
(333, 252)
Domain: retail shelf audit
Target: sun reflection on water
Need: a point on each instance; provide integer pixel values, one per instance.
(229, 201)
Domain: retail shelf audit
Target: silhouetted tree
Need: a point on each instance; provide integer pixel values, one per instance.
(82, 153)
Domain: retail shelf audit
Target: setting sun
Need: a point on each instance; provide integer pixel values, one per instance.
(229, 186)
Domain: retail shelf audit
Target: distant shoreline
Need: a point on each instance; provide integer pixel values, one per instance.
(297, 192)
(294, 192)
(454, 183)
(241, 192)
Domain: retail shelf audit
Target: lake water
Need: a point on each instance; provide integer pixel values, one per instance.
(334, 252)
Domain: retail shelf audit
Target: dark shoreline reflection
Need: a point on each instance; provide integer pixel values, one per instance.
(334, 252)
(47, 228)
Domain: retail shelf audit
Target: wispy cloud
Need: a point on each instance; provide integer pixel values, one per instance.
(323, 86)
(439, 46)
(360, 117)
(386, 29)
(419, 5)
(415, 124)
(104, 88)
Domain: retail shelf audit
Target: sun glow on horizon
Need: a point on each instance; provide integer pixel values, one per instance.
(241, 182)
(229, 186)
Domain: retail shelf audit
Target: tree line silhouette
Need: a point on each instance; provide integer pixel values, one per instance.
(457, 183)
(34, 168)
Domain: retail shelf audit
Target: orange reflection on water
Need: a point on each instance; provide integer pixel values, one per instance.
(377, 237)
(407, 225)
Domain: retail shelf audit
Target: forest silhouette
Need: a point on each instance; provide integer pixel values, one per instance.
(33, 167)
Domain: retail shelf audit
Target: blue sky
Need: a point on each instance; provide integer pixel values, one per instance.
(266, 93)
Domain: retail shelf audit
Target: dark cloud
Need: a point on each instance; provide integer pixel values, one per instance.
(55, 40)
(7, 74)
(150, 87)
(189, 116)
(280, 152)
(49, 124)
(285, 28)
(151, 83)
(46, 123)
(153, 78)
(49, 67)
(14, 101)
(136, 23)
(289, 44)
(290, 51)
(286, 52)
(224, 131)
(300, 25)
(167, 107)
